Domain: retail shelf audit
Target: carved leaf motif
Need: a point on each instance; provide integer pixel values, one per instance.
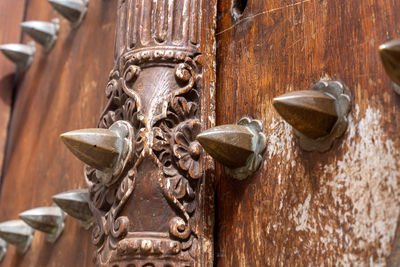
(139, 143)
(129, 112)
(123, 188)
(161, 140)
(109, 118)
(180, 110)
(177, 186)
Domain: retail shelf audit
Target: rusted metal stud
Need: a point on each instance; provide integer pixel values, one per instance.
(49, 220)
(76, 204)
(42, 32)
(106, 150)
(3, 249)
(20, 54)
(390, 55)
(318, 115)
(17, 233)
(239, 147)
(73, 10)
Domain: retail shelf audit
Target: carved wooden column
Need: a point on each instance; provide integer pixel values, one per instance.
(158, 211)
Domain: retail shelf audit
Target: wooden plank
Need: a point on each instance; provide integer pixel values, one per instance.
(338, 208)
(10, 33)
(63, 90)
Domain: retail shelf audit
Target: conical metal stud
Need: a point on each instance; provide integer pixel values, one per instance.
(49, 220)
(17, 233)
(20, 54)
(230, 145)
(42, 32)
(106, 150)
(99, 148)
(73, 10)
(390, 55)
(238, 147)
(318, 115)
(76, 204)
(310, 112)
(3, 249)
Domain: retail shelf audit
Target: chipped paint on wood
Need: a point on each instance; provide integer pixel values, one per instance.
(363, 186)
(330, 209)
(301, 209)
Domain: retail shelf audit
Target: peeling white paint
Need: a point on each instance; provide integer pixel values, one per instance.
(369, 175)
(280, 140)
(351, 218)
(364, 186)
(300, 214)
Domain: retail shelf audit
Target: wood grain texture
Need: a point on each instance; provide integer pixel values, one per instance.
(339, 208)
(10, 33)
(63, 90)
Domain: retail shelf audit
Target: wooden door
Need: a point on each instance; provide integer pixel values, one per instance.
(336, 208)
(62, 90)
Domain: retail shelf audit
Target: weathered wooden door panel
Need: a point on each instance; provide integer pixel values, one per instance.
(62, 90)
(10, 33)
(338, 208)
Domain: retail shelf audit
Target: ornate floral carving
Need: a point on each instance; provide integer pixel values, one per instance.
(172, 145)
(186, 149)
(155, 87)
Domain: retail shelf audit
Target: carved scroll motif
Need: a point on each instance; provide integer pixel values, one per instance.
(152, 214)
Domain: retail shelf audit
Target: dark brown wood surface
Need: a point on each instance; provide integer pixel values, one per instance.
(63, 90)
(10, 33)
(339, 208)
(302, 209)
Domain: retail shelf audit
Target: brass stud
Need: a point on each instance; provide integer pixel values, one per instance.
(20, 54)
(310, 112)
(49, 220)
(76, 204)
(42, 32)
(238, 147)
(390, 55)
(318, 115)
(17, 233)
(99, 148)
(106, 150)
(230, 145)
(73, 10)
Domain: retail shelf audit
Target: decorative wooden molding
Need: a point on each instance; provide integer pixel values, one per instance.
(159, 210)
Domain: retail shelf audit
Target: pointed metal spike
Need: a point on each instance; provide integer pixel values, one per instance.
(390, 55)
(76, 204)
(99, 148)
(73, 10)
(42, 32)
(3, 249)
(20, 54)
(17, 233)
(49, 220)
(230, 144)
(239, 147)
(311, 112)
